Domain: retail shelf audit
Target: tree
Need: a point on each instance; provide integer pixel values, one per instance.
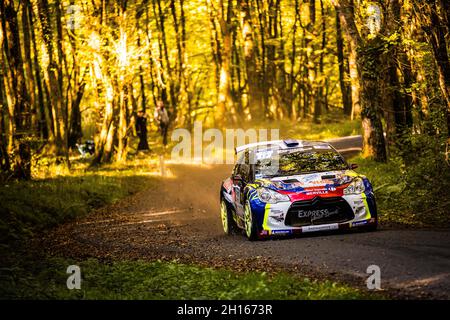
(225, 100)
(397, 103)
(432, 16)
(260, 61)
(343, 70)
(54, 76)
(367, 52)
(17, 151)
(251, 58)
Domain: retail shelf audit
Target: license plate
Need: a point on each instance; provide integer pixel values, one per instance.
(326, 227)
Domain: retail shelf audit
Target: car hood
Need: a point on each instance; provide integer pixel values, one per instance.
(316, 180)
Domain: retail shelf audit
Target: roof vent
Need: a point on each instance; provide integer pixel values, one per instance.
(291, 143)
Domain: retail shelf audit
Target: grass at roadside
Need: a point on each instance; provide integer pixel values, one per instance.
(28, 207)
(332, 126)
(167, 280)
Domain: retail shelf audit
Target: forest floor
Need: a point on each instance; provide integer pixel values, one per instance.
(138, 247)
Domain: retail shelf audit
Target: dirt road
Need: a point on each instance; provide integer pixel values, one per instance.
(181, 220)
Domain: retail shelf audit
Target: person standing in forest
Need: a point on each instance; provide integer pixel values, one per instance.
(162, 118)
(141, 130)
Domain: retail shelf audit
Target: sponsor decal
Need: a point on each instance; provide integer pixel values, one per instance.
(324, 227)
(330, 179)
(276, 211)
(359, 223)
(316, 192)
(316, 214)
(281, 231)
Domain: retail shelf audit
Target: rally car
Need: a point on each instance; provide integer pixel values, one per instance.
(285, 187)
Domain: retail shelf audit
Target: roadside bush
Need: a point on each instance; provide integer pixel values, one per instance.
(415, 191)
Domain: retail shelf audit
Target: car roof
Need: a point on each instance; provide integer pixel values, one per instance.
(284, 145)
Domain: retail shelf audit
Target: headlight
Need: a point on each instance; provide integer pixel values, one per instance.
(355, 187)
(270, 196)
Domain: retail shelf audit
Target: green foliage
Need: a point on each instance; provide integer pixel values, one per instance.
(166, 280)
(415, 191)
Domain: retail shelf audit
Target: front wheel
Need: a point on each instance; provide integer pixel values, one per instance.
(251, 230)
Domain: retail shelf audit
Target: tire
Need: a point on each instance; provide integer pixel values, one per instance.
(251, 230)
(228, 224)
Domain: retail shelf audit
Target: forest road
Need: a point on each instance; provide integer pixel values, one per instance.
(180, 220)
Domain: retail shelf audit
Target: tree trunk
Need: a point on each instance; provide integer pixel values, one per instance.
(4, 156)
(75, 132)
(76, 93)
(16, 92)
(104, 140)
(62, 120)
(54, 76)
(28, 65)
(186, 92)
(150, 59)
(279, 81)
(122, 128)
(44, 123)
(292, 75)
(312, 67)
(343, 75)
(225, 100)
(369, 72)
(169, 99)
(352, 61)
(320, 99)
(250, 56)
(435, 32)
(264, 83)
(396, 103)
(215, 45)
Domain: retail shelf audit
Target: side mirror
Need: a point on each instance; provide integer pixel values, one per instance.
(353, 166)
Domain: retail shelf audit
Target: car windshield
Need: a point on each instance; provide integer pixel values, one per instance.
(292, 162)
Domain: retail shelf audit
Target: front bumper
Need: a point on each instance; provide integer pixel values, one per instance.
(361, 211)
